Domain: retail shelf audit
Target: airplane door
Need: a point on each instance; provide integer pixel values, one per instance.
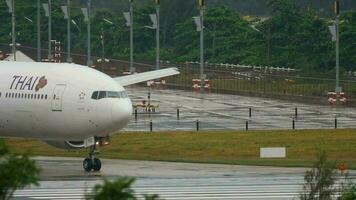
(57, 97)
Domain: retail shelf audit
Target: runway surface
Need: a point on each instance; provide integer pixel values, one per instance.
(230, 112)
(63, 178)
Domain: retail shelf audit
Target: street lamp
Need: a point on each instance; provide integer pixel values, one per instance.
(67, 16)
(334, 31)
(11, 5)
(103, 60)
(157, 34)
(338, 89)
(38, 30)
(86, 13)
(48, 11)
(155, 25)
(129, 22)
(199, 21)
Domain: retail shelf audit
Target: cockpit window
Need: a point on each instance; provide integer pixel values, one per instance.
(109, 94)
(102, 94)
(95, 95)
(113, 94)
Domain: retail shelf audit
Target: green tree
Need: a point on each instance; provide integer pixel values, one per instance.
(348, 41)
(16, 171)
(319, 181)
(349, 193)
(120, 189)
(228, 37)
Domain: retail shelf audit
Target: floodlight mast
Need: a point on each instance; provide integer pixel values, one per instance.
(11, 5)
(89, 35)
(13, 19)
(69, 58)
(157, 35)
(38, 30)
(50, 30)
(132, 69)
(338, 89)
(201, 7)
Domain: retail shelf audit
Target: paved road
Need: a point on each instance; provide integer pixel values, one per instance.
(230, 112)
(62, 178)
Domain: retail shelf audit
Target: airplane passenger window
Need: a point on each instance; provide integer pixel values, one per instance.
(46, 96)
(102, 94)
(95, 95)
(31, 96)
(6, 95)
(21, 96)
(41, 96)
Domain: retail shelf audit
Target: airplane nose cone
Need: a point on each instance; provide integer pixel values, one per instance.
(121, 112)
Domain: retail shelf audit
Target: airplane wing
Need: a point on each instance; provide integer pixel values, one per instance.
(145, 76)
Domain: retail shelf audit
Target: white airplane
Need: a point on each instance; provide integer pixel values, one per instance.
(66, 105)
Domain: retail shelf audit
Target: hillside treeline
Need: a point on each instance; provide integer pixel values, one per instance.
(291, 37)
(250, 7)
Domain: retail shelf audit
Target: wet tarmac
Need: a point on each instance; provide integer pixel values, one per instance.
(63, 178)
(231, 112)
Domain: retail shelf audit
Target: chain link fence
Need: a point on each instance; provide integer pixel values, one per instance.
(280, 83)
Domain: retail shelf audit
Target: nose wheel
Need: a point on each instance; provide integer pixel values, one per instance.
(91, 163)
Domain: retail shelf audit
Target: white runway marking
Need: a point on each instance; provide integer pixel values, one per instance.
(172, 192)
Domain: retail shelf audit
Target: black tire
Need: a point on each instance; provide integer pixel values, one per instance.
(87, 164)
(96, 164)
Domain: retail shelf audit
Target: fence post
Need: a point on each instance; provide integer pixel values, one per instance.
(246, 125)
(197, 125)
(296, 112)
(293, 124)
(177, 113)
(151, 126)
(335, 122)
(135, 114)
(250, 112)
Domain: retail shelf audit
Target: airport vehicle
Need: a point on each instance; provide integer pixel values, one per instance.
(66, 105)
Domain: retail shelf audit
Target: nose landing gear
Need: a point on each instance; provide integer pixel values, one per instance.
(91, 162)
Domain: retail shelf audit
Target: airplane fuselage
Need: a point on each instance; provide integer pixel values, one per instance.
(60, 102)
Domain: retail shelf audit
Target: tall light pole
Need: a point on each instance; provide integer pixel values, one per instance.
(89, 35)
(103, 48)
(202, 77)
(129, 22)
(11, 6)
(47, 9)
(38, 30)
(157, 35)
(86, 13)
(67, 16)
(13, 19)
(132, 69)
(338, 89)
(50, 30)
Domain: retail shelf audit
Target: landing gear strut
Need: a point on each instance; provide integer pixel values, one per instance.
(91, 162)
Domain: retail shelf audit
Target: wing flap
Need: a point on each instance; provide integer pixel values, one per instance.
(146, 76)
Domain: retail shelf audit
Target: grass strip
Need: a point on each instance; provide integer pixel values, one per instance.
(224, 147)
